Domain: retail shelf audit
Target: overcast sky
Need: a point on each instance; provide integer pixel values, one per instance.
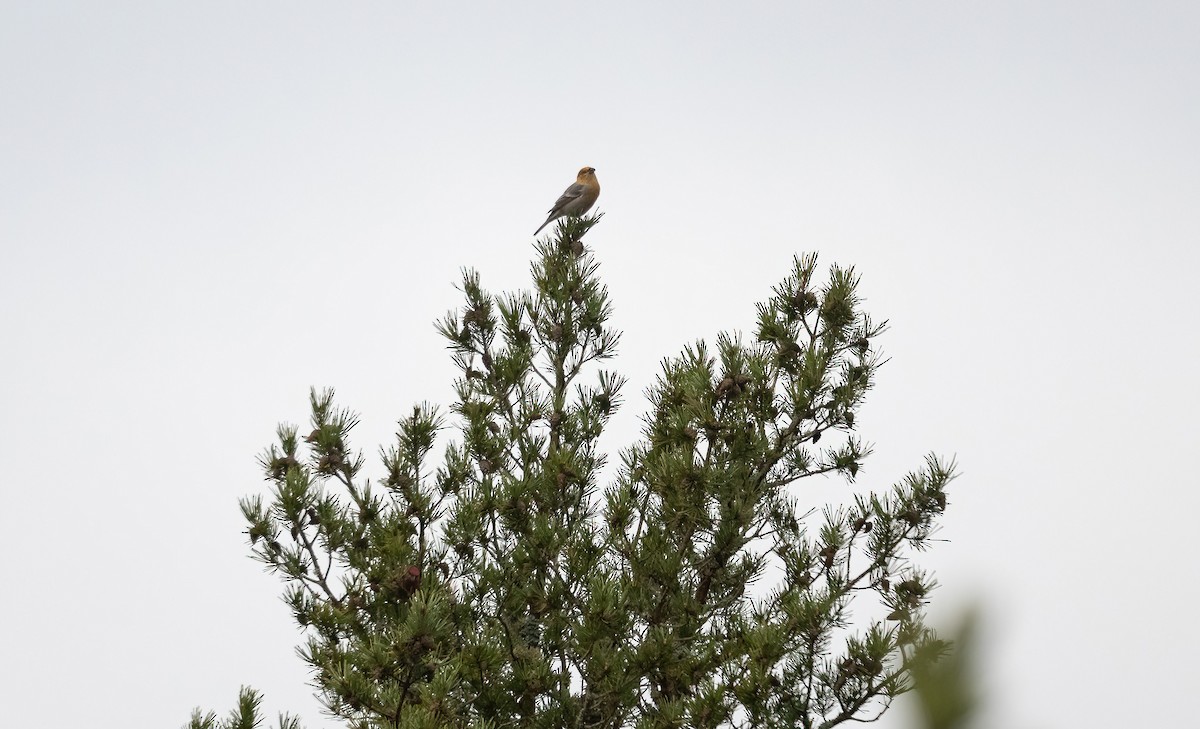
(205, 208)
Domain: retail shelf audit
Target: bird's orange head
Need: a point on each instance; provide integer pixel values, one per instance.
(586, 173)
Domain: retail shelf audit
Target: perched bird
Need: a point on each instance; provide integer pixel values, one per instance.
(576, 199)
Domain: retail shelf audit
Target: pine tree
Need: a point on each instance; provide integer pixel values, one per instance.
(503, 585)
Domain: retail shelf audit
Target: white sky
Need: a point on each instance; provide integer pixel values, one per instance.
(205, 208)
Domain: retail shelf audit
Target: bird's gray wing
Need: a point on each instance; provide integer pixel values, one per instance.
(568, 195)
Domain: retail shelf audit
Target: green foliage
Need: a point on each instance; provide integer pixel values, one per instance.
(944, 679)
(245, 716)
(503, 586)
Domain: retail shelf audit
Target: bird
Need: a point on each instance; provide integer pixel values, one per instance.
(576, 199)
